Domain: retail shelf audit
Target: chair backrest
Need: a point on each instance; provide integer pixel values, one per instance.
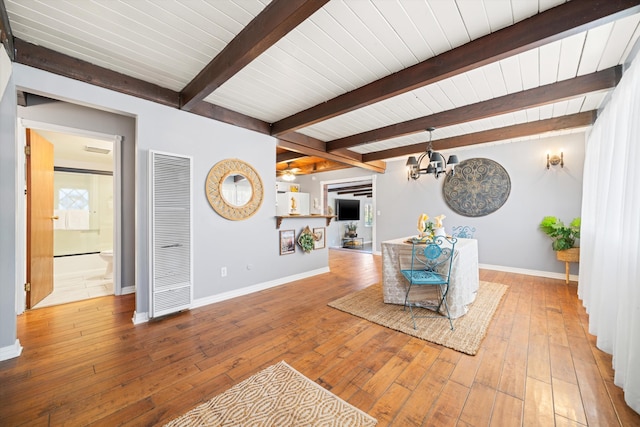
(463, 232)
(436, 255)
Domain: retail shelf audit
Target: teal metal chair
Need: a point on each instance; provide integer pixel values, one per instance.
(463, 232)
(430, 266)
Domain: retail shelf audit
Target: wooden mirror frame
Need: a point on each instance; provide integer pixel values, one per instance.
(213, 187)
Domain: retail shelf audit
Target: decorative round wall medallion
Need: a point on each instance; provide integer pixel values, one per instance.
(234, 189)
(479, 187)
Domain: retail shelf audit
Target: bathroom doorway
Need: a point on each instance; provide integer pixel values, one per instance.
(83, 218)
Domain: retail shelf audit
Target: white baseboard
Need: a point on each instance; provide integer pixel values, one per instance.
(128, 290)
(140, 318)
(549, 274)
(200, 302)
(10, 351)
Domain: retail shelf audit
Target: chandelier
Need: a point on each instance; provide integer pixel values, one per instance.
(437, 165)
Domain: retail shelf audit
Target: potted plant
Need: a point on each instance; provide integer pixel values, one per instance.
(563, 236)
(352, 227)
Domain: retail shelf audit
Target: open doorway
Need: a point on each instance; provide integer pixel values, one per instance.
(70, 254)
(46, 114)
(352, 201)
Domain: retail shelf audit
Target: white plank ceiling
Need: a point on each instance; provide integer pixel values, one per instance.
(343, 46)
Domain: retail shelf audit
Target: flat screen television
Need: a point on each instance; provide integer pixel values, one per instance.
(348, 209)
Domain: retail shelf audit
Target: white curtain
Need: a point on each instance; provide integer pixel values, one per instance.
(609, 282)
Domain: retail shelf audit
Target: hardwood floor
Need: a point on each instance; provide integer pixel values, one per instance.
(85, 363)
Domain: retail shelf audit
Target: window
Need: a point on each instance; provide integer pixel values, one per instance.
(73, 198)
(368, 215)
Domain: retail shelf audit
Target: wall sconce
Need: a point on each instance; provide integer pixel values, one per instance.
(437, 164)
(555, 160)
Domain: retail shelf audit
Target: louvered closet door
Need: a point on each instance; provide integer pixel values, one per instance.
(171, 266)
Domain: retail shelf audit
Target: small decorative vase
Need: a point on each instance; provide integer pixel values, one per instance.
(439, 232)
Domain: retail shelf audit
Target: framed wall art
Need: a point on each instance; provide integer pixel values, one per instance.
(319, 238)
(478, 188)
(287, 242)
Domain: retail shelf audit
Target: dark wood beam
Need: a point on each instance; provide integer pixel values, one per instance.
(22, 97)
(221, 114)
(313, 147)
(546, 27)
(288, 156)
(555, 92)
(6, 35)
(573, 121)
(77, 69)
(274, 22)
(350, 189)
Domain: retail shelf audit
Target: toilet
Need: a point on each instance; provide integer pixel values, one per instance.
(108, 257)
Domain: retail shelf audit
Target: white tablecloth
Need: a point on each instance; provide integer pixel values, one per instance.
(463, 287)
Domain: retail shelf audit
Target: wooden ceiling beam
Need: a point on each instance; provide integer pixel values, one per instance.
(288, 156)
(547, 94)
(313, 147)
(573, 121)
(221, 114)
(322, 166)
(6, 35)
(546, 27)
(350, 188)
(78, 69)
(269, 26)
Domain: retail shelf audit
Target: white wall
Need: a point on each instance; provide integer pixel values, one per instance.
(248, 249)
(508, 237)
(9, 346)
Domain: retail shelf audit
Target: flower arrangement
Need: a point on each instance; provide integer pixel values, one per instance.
(428, 228)
(563, 236)
(352, 227)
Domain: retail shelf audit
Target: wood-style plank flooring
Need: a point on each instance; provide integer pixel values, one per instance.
(85, 363)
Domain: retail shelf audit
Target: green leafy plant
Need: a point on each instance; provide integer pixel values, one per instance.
(306, 242)
(563, 236)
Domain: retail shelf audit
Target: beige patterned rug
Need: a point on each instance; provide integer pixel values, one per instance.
(276, 396)
(469, 330)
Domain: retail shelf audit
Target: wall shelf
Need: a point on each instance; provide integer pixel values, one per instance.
(279, 218)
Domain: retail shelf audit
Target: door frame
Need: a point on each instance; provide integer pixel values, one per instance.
(356, 180)
(21, 244)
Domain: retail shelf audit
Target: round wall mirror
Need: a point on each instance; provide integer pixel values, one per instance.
(234, 189)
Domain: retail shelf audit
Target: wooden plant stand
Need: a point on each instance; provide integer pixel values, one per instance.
(568, 255)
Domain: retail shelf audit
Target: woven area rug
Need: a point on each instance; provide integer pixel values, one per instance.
(276, 396)
(469, 330)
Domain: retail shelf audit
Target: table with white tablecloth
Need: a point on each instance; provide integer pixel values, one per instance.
(463, 286)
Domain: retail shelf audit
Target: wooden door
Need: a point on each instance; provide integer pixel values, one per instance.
(39, 218)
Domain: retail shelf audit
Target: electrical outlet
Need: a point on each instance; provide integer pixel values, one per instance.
(223, 272)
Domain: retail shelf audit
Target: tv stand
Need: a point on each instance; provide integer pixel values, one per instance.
(353, 242)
